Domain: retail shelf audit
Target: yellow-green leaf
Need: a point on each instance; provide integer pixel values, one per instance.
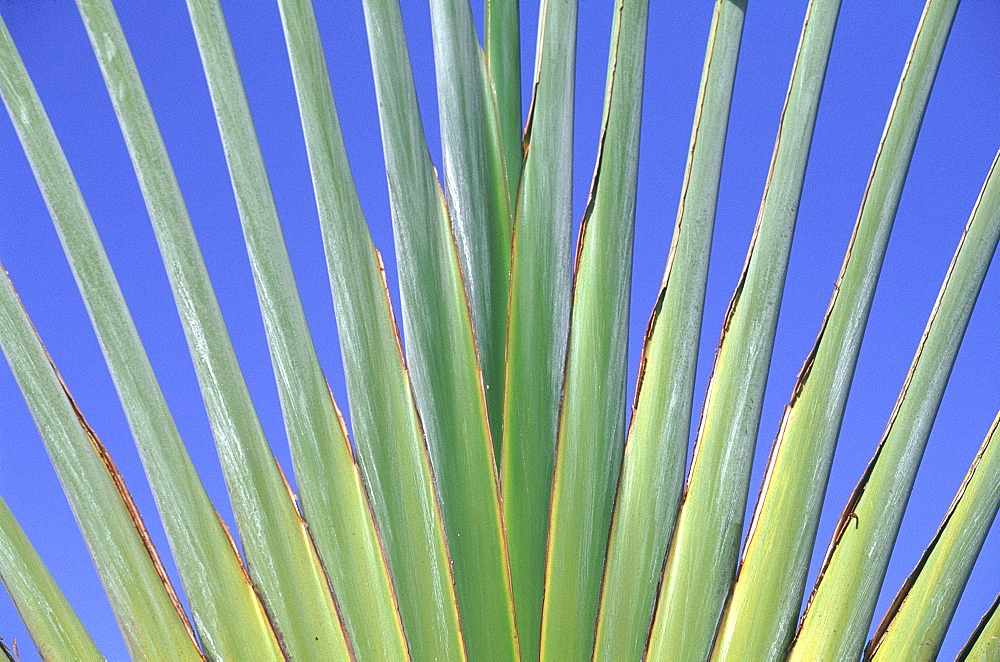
(592, 419)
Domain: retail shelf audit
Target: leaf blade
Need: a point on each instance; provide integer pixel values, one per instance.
(653, 467)
(478, 220)
(859, 552)
(386, 425)
(280, 554)
(592, 419)
(332, 497)
(476, 188)
(919, 617)
(144, 604)
(538, 321)
(437, 322)
(47, 615)
(222, 600)
(788, 512)
(985, 640)
(503, 58)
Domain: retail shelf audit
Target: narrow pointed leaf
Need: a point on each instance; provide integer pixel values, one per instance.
(653, 469)
(147, 610)
(386, 427)
(701, 561)
(476, 189)
(479, 211)
(592, 419)
(333, 499)
(840, 609)
(984, 644)
(50, 620)
(222, 600)
(755, 625)
(279, 550)
(367, 332)
(919, 617)
(503, 57)
(440, 344)
(768, 593)
(538, 322)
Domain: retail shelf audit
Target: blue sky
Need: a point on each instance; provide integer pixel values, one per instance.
(959, 139)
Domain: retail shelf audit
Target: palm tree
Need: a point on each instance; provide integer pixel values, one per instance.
(511, 402)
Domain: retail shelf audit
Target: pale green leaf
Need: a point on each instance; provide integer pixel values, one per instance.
(592, 419)
(701, 560)
(148, 613)
(768, 592)
(386, 427)
(704, 551)
(918, 619)
(53, 625)
(440, 345)
(280, 553)
(475, 181)
(653, 469)
(759, 620)
(333, 499)
(503, 57)
(538, 322)
(479, 212)
(840, 609)
(984, 644)
(222, 600)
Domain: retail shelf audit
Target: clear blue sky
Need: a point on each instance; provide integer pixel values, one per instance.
(959, 139)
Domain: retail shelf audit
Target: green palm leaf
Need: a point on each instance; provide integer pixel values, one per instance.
(923, 608)
(333, 500)
(145, 605)
(193, 528)
(503, 59)
(856, 560)
(488, 500)
(441, 347)
(592, 418)
(703, 553)
(289, 576)
(475, 180)
(51, 621)
(538, 321)
(985, 641)
(653, 468)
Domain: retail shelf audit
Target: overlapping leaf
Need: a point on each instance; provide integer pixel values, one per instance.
(649, 489)
(333, 499)
(280, 553)
(222, 600)
(592, 418)
(538, 322)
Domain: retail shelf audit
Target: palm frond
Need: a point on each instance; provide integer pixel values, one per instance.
(487, 493)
